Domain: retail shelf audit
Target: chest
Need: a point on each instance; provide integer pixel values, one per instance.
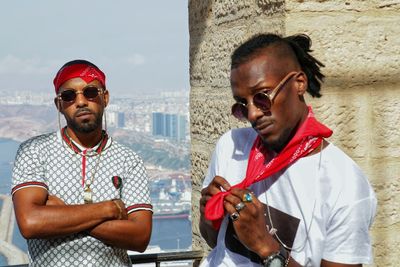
(68, 174)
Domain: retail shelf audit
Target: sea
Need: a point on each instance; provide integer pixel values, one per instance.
(169, 234)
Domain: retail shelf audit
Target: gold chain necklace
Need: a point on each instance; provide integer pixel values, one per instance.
(87, 191)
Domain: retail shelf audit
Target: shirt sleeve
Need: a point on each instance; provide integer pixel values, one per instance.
(135, 191)
(28, 170)
(348, 239)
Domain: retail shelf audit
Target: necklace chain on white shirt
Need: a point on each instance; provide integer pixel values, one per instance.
(273, 230)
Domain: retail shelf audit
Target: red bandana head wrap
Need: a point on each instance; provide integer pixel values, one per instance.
(84, 71)
(307, 138)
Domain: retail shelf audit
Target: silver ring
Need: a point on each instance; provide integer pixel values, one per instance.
(234, 216)
(240, 206)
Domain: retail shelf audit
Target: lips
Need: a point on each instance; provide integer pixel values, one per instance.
(264, 128)
(83, 113)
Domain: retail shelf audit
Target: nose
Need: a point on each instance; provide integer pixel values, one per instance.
(253, 112)
(80, 99)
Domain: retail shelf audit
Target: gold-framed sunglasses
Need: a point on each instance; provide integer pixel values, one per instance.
(261, 100)
(89, 92)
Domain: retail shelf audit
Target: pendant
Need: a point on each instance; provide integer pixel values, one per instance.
(87, 195)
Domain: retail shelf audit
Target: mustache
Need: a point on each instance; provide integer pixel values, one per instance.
(82, 110)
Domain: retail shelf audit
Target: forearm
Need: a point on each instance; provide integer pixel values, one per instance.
(132, 234)
(53, 221)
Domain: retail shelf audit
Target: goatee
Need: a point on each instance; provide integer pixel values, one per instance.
(86, 126)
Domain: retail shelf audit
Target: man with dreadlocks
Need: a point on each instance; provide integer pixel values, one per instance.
(81, 198)
(279, 194)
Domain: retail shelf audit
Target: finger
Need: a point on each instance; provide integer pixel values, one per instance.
(221, 182)
(239, 192)
(230, 209)
(204, 199)
(245, 195)
(232, 199)
(217, 185)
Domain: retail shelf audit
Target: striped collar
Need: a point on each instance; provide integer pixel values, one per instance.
(78, 148)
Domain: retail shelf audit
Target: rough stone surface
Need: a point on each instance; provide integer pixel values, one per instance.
(359, 43)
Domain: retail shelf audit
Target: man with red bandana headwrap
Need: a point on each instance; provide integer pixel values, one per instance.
(81, 198)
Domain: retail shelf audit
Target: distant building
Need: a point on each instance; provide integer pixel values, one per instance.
(158, 124)
(172, 126)
(121, 120)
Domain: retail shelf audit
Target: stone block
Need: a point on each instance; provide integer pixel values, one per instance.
(363, 54)
(386, 117)
(226, 11)
(200, 15)
(199, 61)
(345, 113)
(340, 5)
(210, 114)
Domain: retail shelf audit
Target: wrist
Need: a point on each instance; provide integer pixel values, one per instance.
(279, 258)
(268, 250)
(119, 210)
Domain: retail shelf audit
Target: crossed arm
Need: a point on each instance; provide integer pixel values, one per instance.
(40, 215)
(250, 228)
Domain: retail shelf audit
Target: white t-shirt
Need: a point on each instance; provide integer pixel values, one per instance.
(322, 205)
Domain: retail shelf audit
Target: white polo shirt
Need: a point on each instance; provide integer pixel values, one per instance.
(46, 162)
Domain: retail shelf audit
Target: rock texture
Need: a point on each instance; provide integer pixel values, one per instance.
(360, 45)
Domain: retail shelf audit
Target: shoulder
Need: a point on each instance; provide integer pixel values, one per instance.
(237, 138)
(339, 160)
(124, 152)
(344, 175)
(39, 141)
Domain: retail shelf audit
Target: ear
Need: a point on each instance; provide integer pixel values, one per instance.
(301, 83)
(57, 102)
(106, 97)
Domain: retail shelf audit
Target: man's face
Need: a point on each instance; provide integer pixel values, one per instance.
(262, 74)
(83, 115)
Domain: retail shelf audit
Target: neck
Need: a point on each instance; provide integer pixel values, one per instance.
(289, 133)
(87, 140)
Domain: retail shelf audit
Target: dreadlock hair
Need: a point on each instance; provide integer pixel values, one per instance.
(300, 45)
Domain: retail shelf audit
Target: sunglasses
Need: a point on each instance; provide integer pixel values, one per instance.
(90, 93)
(261, 100)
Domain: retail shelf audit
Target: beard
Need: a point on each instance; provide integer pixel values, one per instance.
(86, 126)
(279, 144)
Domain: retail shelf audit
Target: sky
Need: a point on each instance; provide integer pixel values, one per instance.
(142, 46)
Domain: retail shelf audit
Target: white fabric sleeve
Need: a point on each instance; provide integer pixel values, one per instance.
(347, 234)
(29, 167)
(135, 190)
(214, 167)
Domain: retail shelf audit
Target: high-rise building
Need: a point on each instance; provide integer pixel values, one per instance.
(172, 126)
(158, 124)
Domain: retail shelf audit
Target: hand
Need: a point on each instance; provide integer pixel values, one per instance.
(53, 200)
(250, 227)
(120, 209)
(216, 186)
(208, 232)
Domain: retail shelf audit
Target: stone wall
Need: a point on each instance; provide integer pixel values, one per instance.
(359, 42)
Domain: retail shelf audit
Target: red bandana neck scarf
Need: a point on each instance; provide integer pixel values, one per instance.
(83, 71)
(307, 138)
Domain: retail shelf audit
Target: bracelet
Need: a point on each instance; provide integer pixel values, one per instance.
(119, 208)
